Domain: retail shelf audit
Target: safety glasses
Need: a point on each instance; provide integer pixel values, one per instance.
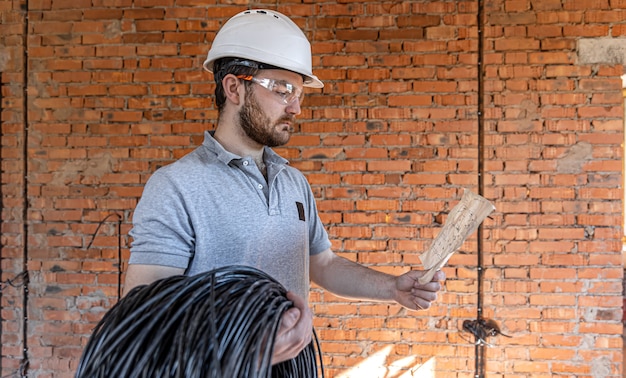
(286, 92)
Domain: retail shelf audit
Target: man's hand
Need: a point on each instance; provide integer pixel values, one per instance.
(415, 296)
(295, 330)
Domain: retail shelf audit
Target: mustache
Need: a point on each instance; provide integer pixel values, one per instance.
(288, 119)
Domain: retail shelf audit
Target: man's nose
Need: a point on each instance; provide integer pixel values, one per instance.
(294, 107)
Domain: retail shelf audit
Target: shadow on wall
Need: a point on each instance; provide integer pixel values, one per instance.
(376, 367)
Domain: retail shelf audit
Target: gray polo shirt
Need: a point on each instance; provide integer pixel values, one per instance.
(213, 208)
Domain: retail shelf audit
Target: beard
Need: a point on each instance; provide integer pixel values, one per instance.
(259, 127)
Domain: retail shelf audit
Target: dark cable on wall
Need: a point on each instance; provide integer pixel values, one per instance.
(16, 282)
(1, 199)
(119, 248)
(24, 365)
(481, 328)
(221, 323)
(480, 346)
(21, 279)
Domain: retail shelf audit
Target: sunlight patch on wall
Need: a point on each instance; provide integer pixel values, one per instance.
(376, 366)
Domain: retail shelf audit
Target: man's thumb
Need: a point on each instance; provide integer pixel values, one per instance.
(290, 318)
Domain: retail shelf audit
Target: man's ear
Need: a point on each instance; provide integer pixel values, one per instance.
(233, 89)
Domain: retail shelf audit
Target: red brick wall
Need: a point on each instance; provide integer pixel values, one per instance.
(115, 90)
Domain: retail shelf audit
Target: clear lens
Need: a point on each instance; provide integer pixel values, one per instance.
(287, 92)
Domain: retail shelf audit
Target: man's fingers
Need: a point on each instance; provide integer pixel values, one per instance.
(294, 332)
(433, 285)
(418, 306)
(297, 301)
(289, 320)
(439, 276)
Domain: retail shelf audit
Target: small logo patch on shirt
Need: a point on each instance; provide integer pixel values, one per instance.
(300, 207)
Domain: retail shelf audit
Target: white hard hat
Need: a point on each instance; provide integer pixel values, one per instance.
(264, 36)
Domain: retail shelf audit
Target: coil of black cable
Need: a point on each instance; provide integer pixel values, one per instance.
(216, 324)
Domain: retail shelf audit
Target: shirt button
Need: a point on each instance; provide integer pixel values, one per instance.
(260, 186)
(245, 163)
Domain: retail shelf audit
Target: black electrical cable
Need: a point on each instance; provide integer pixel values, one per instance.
(25, 363)
(1, 199)
(479, 347)
(214, 324)
(119, 247)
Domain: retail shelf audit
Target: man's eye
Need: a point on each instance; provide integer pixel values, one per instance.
(282, 88)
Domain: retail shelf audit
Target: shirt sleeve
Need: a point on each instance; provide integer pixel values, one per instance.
(162, 232)
(318, 237)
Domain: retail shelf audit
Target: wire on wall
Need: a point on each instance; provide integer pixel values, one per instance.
(22, 278)
(1, 198)
(24, 365)
(119, 247)
(479, 344)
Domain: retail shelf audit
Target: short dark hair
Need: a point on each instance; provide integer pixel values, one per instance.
(235, 66)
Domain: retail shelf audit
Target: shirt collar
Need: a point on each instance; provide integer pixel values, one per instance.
(226, 157)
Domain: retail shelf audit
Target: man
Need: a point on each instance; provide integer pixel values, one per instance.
(234, 201)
